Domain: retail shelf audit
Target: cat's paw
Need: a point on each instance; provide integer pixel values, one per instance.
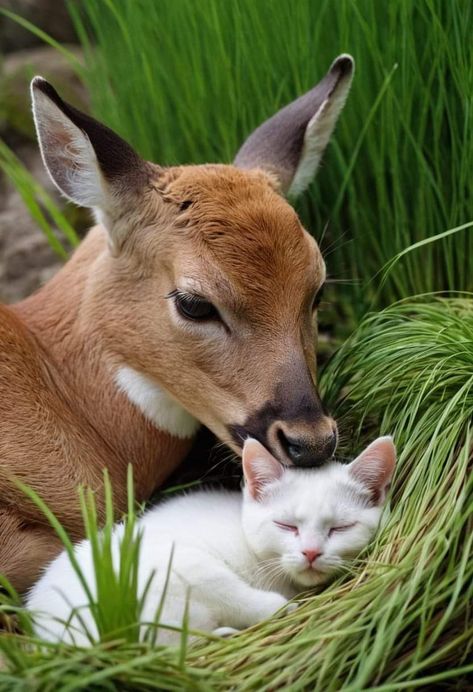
(270, 604)
(225, 632)
(290, 608)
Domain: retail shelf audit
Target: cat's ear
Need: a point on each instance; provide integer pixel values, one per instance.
(259, 468)
(374, 467)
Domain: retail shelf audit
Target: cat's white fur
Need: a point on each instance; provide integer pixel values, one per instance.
(231, 561)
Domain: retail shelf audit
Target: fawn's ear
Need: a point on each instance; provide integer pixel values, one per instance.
(291, 143)
(374, 467)
(259, 468)
(88, 162)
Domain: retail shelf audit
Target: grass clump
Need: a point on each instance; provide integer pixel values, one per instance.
(401, 617)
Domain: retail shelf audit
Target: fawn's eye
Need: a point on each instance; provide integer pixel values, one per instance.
(286, 527)
(193, 307)
(317, 298)
(340, 529)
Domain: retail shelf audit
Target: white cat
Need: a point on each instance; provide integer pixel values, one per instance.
(241, 556)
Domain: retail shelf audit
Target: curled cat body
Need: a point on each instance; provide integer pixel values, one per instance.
(237, 558)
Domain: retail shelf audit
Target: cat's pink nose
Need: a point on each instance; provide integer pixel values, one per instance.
(311, 555)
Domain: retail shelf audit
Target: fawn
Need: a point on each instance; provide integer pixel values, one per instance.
(192, 301)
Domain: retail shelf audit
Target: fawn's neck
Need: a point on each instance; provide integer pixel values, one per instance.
(124, 408)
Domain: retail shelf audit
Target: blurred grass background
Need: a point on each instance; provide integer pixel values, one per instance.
(186, 81)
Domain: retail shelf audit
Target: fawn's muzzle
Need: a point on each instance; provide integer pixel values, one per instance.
(297, 431)
(303, 449)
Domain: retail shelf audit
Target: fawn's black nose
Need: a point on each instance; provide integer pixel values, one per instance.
(294, 425)
(304, 453)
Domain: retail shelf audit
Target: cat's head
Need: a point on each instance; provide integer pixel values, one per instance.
(305, 523)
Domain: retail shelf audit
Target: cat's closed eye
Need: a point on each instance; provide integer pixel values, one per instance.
(286, 527)
(342, 527)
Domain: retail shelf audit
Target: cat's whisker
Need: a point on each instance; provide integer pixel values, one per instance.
(269, 571)
(273, 577)
(264, 564)
(265, 572)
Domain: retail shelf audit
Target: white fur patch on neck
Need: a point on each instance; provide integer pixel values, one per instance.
(156, 404)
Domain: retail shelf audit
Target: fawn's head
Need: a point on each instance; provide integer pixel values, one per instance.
(209, 286)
